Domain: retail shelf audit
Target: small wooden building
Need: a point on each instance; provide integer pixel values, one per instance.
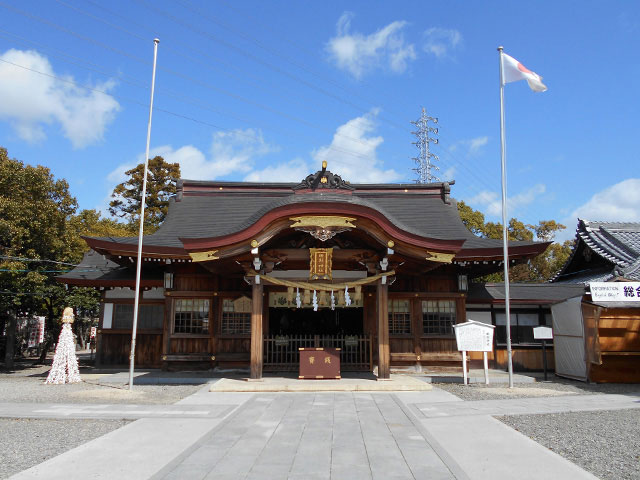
(244, 274)
(599, 340)
(531, 306)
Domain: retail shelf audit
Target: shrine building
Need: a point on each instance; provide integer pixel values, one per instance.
(244, 274)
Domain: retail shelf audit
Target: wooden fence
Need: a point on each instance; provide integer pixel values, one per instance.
(281, 352)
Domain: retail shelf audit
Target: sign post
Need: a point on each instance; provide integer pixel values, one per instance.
(544, 334)
(474, 336)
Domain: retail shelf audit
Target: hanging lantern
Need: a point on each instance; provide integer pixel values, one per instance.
(298, 300)
(333, 301)
(315, 301)
(347, 297)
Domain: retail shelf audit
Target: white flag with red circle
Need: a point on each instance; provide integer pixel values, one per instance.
(513, 70)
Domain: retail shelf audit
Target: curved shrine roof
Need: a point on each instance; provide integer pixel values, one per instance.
(208, 210)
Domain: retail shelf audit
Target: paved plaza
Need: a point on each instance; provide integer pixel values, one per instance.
(314, 435)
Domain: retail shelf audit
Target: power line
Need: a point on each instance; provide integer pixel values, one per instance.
(179, 74)
(194, 101)
(178, 115)
(24, 259)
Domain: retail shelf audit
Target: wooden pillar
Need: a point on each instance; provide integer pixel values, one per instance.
(256, 332)
(383, 331)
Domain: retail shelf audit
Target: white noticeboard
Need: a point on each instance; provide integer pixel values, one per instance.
(542, 333)
(615, 291)
(473, 336)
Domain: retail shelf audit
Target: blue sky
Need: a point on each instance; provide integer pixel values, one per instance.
(265, 91)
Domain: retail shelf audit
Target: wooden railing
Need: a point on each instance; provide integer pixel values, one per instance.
(281, 352)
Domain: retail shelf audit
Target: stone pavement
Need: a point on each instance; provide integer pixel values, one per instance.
(319, 435)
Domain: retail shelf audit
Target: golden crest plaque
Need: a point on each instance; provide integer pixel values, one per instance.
(321, 262)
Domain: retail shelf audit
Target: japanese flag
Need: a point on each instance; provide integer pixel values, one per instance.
(513, 70)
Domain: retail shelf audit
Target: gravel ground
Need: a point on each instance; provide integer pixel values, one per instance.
(557, 386)
(27, 442)
(27, 385)
(606, 443)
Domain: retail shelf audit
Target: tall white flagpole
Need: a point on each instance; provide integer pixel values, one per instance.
(136, 302)
(505, 237)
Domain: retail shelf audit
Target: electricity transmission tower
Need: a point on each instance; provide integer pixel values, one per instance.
(424, 158)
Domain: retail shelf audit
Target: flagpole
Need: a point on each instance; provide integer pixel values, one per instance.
(136, 302)
(505, 243)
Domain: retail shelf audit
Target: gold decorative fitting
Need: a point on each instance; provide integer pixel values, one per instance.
(322, 221)
(321, 263)
(213, 357)
(322, 228)
(440, 257)
(204, 256)
(164, 357)
(254, 243)
(323, 180)
(391, 244)
(324, 164)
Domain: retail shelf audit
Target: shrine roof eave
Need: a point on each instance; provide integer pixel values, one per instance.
(82, 282)
(528, 250)
(113, 246)
(358, 211)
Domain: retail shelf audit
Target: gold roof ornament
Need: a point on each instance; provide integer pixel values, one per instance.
(440, 257)
(204, 256)
(322, 227)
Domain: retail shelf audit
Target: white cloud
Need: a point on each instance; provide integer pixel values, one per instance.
(352, 152)
(359, 54)
(472, 146)
(292, 171)
(491, 202)
(29, 101)
(441, 41)
(448, 174)
(618, 203)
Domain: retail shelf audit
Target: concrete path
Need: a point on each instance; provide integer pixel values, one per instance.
(318, 435)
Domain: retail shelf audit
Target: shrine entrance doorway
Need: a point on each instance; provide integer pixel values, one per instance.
(291, 329)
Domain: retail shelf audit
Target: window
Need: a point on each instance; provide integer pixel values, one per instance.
(191, 315)
(522, 324)
(438, 317)
(236, 316)
(399, 317)
(149, 316)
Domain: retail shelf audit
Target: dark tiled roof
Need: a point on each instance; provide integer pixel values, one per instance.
(96, 270)
(522, 292)
(213, 209)
(616, 242)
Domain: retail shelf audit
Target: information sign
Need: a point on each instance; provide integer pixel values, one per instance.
(615, 291)
(542, 333)
(474, 336)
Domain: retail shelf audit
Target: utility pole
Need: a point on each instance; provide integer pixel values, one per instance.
(424, 158)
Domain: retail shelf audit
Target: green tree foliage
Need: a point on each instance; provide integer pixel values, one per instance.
(89, 223)
(39, 240)
(539, 269)
(161, 185)
(34, 212)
